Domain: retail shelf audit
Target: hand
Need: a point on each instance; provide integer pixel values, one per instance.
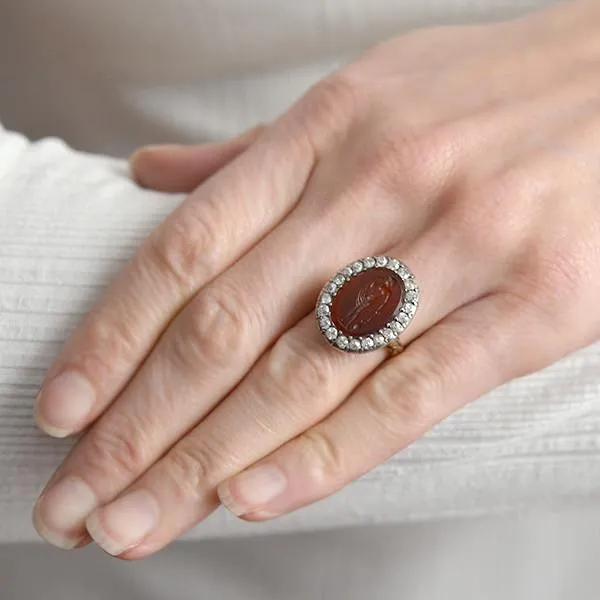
(470, 153)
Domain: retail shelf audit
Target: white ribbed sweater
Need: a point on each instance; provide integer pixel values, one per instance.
(108, 76)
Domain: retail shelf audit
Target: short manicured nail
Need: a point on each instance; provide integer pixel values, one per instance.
(159, 148)
(143, 176)
(125, 523)
(252, 490)
(59, 515)
(64, 403)
(173, 149)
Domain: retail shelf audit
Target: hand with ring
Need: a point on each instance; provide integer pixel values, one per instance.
(454, 169)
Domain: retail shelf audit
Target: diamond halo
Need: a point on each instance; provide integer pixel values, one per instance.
(386, 334)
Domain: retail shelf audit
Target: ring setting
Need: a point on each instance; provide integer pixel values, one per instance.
(368, 305)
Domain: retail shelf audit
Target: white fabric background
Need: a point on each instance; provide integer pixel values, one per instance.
(108, 76)
(544, 556)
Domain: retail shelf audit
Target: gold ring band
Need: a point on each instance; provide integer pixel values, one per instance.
(395, 347)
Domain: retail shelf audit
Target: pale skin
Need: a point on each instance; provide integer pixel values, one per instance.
(472, 154)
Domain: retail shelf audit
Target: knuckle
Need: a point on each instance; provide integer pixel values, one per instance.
(408, 157)
(213, 328)
(193, 468)
(333, 97)
(110, 342)
(294, 370)
(557, 262)
(552, 279)
(541, 327)
(118, 449)
(404, 162)
(553, 282)
(326, 462)
(185, 249)
(405, 401)
(327, 109)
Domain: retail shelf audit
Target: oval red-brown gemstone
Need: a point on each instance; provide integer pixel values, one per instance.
(368, 302)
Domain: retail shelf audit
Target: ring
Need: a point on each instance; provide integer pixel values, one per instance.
(368, 305)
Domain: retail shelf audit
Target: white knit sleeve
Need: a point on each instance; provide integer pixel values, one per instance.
(68, 221)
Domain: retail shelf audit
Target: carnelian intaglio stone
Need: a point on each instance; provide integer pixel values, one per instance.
(367, 302)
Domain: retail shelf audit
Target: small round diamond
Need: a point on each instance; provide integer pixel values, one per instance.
(409, 309)
(403, 319)
(367, 344)
(339, 279)
(388, 334)
(369, 262)
(410, 284)
(412, 295)
(382, 261)
(378, 339)
(331, 287)
(354, 345)
(357, 267)
(331, 333)
(324, 323)
(323, 310)
(342, 342)
(397, 328)
(394, 264)
(326, 298)
(348, 271)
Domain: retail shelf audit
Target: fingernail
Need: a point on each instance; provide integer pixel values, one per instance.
(125, 523)
(160, 148)
(63, 404)
(251, 490)
(143, 176)
(59, 515)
